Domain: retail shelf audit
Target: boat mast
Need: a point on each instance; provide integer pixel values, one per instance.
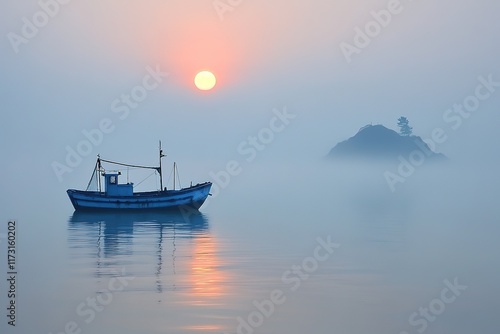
(174, 175)
(98, 170)
(161, 156)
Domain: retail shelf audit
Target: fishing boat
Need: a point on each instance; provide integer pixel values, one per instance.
(116, 196)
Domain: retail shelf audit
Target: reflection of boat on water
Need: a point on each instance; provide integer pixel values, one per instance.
(190, 221)
(114, 230)
(122, 196)
(110, 235)
(174, 258)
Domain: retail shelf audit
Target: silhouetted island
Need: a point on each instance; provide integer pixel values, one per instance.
(379, 142)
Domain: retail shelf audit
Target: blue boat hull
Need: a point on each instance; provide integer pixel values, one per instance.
(192, 197)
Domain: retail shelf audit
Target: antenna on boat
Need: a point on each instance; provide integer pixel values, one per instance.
(176, 175)
(161, 156)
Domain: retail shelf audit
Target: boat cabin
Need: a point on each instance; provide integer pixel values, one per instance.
(115, 189)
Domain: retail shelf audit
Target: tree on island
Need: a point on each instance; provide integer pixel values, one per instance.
(404, 128)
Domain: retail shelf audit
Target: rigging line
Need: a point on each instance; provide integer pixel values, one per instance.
(123, 169)
(93, 177)
(145, 179)
(178, 178)
(170, 176)
(129, 168)
(128, 165)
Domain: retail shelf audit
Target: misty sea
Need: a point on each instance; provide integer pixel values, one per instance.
(308, 247)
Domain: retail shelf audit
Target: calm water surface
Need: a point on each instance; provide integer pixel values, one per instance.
(217, 271)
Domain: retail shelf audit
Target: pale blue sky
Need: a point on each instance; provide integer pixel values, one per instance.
(267, 54)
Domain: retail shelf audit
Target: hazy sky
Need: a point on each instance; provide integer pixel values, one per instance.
(68, 73)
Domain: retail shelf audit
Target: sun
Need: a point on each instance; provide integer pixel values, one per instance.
(205, 80)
